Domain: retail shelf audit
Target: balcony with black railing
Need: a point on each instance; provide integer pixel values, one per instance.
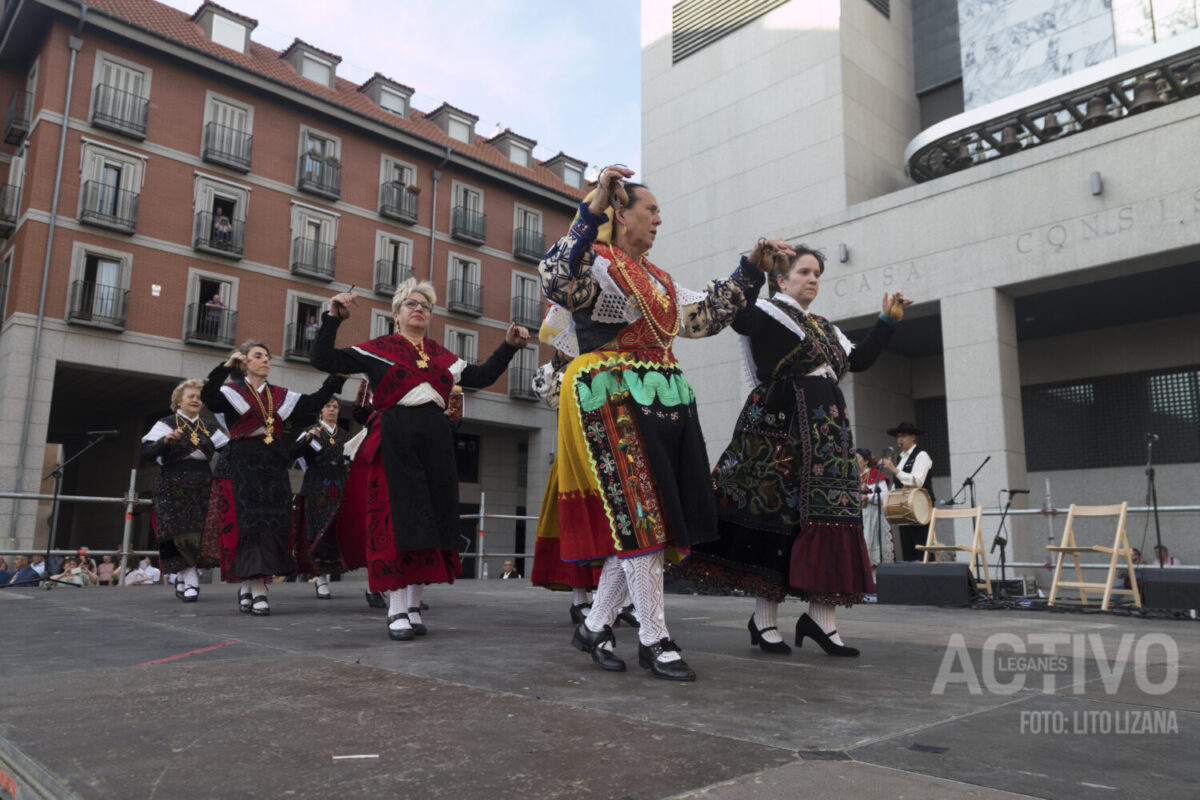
(529, 244)
(219, 235)
(397, 202)
(527, 311)
(227, 146)
(10, 197)
(106, 207)
(120, 111)
(468, 225)
(98, 304)
(520, 383)
(465, 297)
(390, 274)
(313, 258)
(210, 324)
(299, 339)
(320, 175)
(16, 124)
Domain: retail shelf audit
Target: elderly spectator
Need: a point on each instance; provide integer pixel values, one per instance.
(145, 573)
(25, 573)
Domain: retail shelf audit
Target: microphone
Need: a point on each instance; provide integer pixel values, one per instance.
(1152, 437)
(101, 435)
(1017, 491)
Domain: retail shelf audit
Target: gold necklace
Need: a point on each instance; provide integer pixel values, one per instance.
(419, 346)
(268, 413)
(661, 334)
(194, 428)
(331, 436)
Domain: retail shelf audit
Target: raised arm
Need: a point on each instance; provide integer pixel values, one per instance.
(567, 265)
(477, 376)
(328, 358)
(312, 403)
(211, 392)
(715, 309)
(892, 311)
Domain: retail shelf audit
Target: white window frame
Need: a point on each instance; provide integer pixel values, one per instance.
(466, 123)
(522, 276)
(302, 213)
(79, 254)
(93, 154)
(386, 162)
(228, 24)
(384, 91)
(308, 131)
(572, 176)
(515, 148)
(476, 269)
(456, 189)
(306, 57)
(289, 317)
(211, 98)
(209, 187)
(452, 331)
(380, 319)
(536, 212)
(98, 71)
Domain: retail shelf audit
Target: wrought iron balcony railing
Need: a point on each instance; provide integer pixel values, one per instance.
(397, 202)
(390, 274)
(98, 304)
(321, 176)
(210, 324)
(465, 297)
(227, 146)
(106, 207)
(529, 244)
(468, 225)
(10, 197)
(221, 235)
(16, 124)
(299, 339)
(527, 311)
(520, 383)
(313, 258)
(120, 111)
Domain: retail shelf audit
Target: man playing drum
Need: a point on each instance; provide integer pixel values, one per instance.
(913, 473)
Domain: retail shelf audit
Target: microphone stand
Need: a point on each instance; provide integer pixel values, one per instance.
(969, 482)
(1001, 542)
(1152, 496)
(57, 473)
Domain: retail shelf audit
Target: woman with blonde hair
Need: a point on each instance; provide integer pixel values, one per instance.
(183, 445)
(250, 510)
(401, 499)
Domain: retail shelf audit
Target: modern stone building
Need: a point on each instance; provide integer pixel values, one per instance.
(1024, 169)
(204, 190)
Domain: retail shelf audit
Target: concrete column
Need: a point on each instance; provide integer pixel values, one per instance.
(983, 405)
(20, 518)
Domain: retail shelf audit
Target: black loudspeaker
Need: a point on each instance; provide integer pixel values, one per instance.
(1170, 588)
(918, 584)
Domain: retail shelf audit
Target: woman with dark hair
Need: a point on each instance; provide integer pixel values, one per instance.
(787, 485)
(250, 508)
(633, 482)
(183, 445)
(319, 452)
(401, 496)
(873, 485)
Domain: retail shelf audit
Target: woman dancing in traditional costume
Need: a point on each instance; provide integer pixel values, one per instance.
(319, 451)
(787, 485)
(250, 509)
(183, 445)
(633, 479)
(402, 493)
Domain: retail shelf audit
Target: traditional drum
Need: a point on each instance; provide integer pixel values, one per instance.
(907, 507)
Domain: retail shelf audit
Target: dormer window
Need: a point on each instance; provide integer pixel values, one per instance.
(569, 170)
(225, 27)
(456, 123)
(316, 65)
(387, 94)
(573, 177)
(520, 154)
(517, 148)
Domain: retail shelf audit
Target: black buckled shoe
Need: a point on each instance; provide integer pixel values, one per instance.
(402, 635)
(807, 626)
(667, 670)
(179, 591)
(626, 615)
(418, 627)
(375, 600)
(579, 612)
(244, 602)
(756, 638)
(263, 610)
(190, 594)
(589, 641)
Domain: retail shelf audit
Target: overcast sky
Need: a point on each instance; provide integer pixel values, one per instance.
(565, 73)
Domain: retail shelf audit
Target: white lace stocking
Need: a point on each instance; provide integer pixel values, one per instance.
(644, 575)
(610, 594)
(413, 593)
(765, 616)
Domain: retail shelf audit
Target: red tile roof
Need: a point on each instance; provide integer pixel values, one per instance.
(209, 4)
(178, 26)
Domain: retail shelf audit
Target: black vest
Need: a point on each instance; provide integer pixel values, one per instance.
(907, 467)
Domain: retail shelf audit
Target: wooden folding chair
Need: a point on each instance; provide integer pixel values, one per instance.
(1119, 549)
(977, 551)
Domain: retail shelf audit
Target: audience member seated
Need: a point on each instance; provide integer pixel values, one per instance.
(1162, 556)
(104, 572)
(146, 573)
(5, 575)
(25, 573)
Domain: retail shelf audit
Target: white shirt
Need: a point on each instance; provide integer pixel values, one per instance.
(920, 470)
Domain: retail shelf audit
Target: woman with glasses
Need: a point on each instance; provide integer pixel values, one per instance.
(402, 492)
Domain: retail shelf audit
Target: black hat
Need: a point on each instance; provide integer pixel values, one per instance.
(905, 427)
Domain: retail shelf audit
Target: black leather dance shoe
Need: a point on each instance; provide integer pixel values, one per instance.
(669, 670)
(190, 594)
(579, 611)
(589, 642)
(375, 600)
(328, 594)
(244, 602)
(264, 611)
(418, 627)
(402, 635)
(807, 626)
(756, 638)
(626, 615)
(179, 591)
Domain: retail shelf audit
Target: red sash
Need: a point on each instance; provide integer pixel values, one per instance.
(405, 375)
(661, 307)
(245, 425)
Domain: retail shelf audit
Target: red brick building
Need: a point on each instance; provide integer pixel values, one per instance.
(211, 190)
